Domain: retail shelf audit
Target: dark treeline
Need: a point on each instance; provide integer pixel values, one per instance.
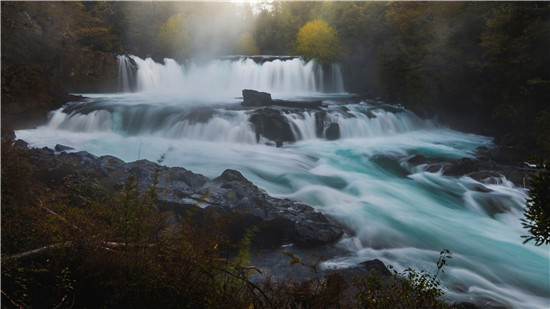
(482, 66)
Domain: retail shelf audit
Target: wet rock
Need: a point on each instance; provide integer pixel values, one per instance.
(199, 115)
(298, 104)
(462, 167)
(245, 206)
(320, 123)
(376, 265)
(508, 155)
(479, 188)
(466, 305)
(60, 148)
(333, 131)
(495, 205)
(293, 222)
(271, 124)
(21, 144)
(488, 177)
(256, 98)
(417, 160)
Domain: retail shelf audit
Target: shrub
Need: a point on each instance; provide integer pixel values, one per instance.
(409, 289)
(537, 212)
(317, 40)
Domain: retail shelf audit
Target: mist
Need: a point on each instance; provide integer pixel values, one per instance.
(185, 29)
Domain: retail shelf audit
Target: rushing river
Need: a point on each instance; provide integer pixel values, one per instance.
(400, 213)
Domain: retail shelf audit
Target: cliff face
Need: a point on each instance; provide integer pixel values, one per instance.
(45, 56)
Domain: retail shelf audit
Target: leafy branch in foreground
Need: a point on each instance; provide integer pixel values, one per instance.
(537, 213)
(409, 289)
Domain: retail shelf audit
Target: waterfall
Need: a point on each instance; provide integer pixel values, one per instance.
(125, 73)
(285, 76)
(202, 123)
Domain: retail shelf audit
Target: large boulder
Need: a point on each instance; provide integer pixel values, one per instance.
(333, 131)
(281, 220)
(462, 167)
(246, 207)
(256, 98)
(377, 266)
(271, 124)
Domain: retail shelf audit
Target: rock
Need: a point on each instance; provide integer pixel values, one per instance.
(462, 167)
(320, 123)
(290, 221)
(60, 148)
(508, 155)
(494, 205)
(333, 131)
(199, 115)
(417, 160)
(487, 177)
(256, 98)
(377, 266)
(466, 305)
(21, 144)
(478, 188)
(244, 206)
(271, 124)
(298, 104)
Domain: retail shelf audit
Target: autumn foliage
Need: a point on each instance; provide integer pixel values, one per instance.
(317, 40)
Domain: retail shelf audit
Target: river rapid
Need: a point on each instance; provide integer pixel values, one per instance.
(399, 212)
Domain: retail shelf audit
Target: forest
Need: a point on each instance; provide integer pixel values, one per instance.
(480, 66)
(70, 240)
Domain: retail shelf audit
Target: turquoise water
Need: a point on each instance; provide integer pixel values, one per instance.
(397, 212)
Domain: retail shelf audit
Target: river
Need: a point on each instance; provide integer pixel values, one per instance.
(401, 213)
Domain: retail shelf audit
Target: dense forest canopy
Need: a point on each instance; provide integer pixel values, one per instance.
(481, 65)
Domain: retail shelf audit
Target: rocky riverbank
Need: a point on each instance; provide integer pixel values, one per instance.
(276, 221)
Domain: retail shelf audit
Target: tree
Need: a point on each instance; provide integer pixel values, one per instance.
(173, 38)
(537, 213)
(317, 40)
(246, 45)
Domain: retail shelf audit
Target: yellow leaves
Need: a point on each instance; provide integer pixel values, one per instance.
(317, 40)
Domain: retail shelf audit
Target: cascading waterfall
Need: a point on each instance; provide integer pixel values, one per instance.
(399, 212)
(125, 73)
(177, 122)
(227, 77)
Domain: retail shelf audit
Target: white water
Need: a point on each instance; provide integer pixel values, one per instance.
(227, 78)
(399, 213)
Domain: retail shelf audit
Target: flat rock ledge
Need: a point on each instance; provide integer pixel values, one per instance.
(253, 98)
(274, 221)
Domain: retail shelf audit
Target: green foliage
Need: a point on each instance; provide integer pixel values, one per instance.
(409, 289)
(537, 212)
(317, 40)
(516, 41)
